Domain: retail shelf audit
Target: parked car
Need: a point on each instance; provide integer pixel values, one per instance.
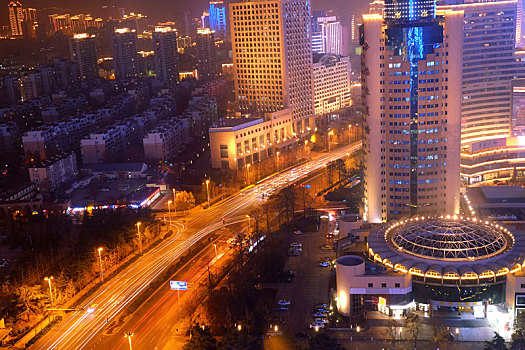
(283, 302)
(324, 264)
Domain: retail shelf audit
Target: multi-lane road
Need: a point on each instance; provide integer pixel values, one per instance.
(78, 329)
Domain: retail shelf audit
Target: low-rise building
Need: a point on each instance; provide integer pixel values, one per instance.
(331, 83)
(236, 142)
(48, 175)
(10, 138)
(495, 159)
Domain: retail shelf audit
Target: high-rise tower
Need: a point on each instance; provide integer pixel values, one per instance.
(206, 54)
(83, 51)
(16, 17)
(217, 13)
(166, 55)
(489, 65)
(411, 89)
(273, 58)
(125, 59)
(327, 34)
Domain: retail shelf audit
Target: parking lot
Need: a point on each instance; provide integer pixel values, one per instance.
(311, 283)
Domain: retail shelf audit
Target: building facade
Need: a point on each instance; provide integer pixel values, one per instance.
(411, 91)
(331, 84)
(327, 34)
(489, 65)
(49, 175)
(16, 17)
(125, 57)
(273, 58)
(84, 52)
(166, 54)
(218, 17)
(206, 54)
(236, 143)
(167, 140)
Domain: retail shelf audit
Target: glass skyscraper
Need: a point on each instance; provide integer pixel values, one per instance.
(217, 17)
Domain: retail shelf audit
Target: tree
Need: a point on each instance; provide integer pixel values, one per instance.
(323, 341)
(236, 340)
(393, 332)
(497, 343)
(184, 200)
(200, 339)
(440, 332)
(518, 337)
(29, 299)
(413, 330)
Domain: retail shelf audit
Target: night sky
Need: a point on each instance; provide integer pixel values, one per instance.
(166, 9)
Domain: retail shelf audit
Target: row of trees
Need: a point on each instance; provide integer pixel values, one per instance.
(51, 245)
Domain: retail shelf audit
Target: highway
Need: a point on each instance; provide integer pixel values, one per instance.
(78, 328)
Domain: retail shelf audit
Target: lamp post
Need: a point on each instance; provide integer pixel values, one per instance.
(140, 237)
(457, 334)
(248, 174)
(215, 246)
(175, 200)
(49, 279)
(129, 335)
(208, 191)
(249, 224)
(349, 133)
(99, 250)
(169, 210)
(277, 160)
(329, 134)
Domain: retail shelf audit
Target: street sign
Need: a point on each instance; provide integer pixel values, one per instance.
(179, 285)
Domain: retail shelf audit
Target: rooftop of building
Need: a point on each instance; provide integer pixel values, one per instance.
(118, 167)
(235, 124)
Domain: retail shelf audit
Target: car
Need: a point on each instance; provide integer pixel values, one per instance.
(324, 264)
(281, 309)
(296, 244)
(299, 249)
(320, 314)
(317, 325)
(320, 309)
(283, 302)
(329, 236)
(92, 309)
(293, 252)
(324, 305)
(326, 247)
(321, 320)
(298, 232)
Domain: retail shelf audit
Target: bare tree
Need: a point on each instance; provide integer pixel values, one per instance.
(393, 332)
(440, 332)
(413, 330)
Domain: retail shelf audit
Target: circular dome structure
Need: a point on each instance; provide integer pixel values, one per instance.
(449, 239)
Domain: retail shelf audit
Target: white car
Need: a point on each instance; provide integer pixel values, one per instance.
(296, 244)
(318, 325)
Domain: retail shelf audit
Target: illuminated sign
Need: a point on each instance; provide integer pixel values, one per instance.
(179, 285)
(382, 301)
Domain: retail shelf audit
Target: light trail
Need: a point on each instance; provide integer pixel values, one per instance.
(79, 328)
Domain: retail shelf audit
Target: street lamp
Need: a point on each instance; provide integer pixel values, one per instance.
(329, 134)
(99, 250)
(248, 173)
(129, 335)
(349, 134)
(215, 246)
(457, 334)
(276, 328)
(140, 237)
(358, 329)
(48, 279)
(208, 191)
(249, 224)
(175, 200)
(277, 160)
(239, 327)
(169, 210)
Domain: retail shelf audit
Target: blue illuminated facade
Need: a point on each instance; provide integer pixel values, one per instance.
(217, 13)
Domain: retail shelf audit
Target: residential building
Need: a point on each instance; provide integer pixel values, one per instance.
(16, 17)
(110, 144)
(125, 57)
(327, 34)
(167, 140)
(10, 138)
(235, 143)
(411, 76)
(273, 58)
(166, 55)
(206, 54)
(31, 85)
(489, 65)
(331, 84)
(84, 52)
(49, 175)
